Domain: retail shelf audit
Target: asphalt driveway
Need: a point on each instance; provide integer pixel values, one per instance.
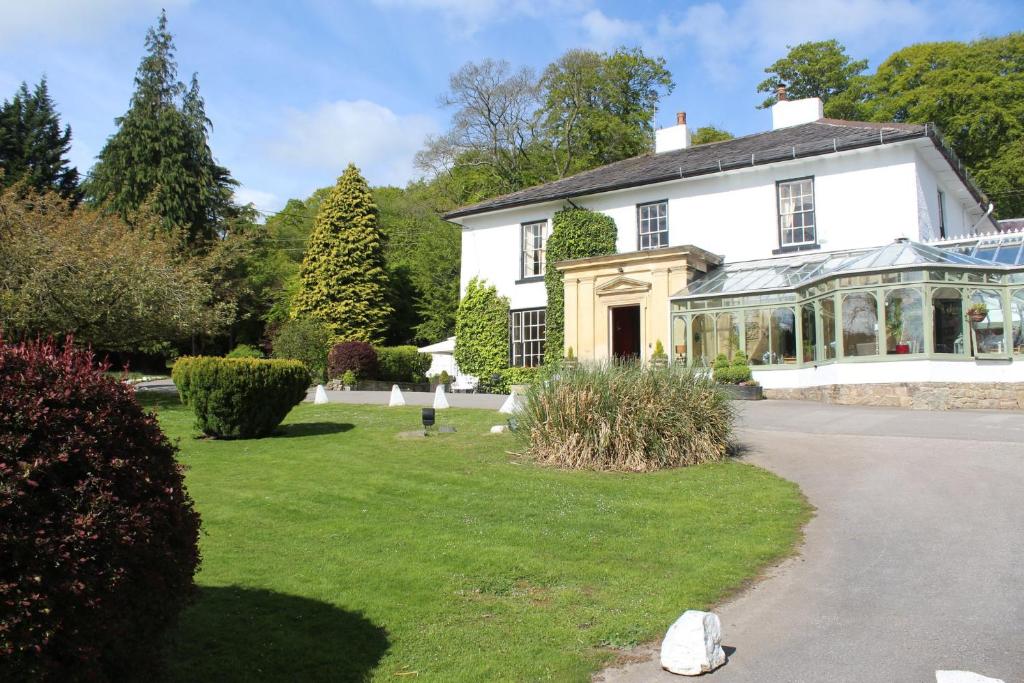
(913, 563)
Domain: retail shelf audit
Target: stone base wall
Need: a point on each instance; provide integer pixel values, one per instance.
(915, 395)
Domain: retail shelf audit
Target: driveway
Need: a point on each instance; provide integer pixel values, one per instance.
(914, 561)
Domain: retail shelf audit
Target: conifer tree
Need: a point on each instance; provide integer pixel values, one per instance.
(160, 154)
(33, 146)
(343, 279)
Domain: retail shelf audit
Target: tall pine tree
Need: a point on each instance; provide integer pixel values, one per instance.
(343, 278)
(33, 145)
(160, 154)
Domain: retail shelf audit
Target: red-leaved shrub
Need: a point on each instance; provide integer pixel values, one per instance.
(357, 356)
(98, 537)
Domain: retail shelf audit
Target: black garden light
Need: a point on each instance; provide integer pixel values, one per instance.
(428, 418)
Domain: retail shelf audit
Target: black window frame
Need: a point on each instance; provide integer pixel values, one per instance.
(512, 336)
(802, 246)
(523, 277)
(640, 236)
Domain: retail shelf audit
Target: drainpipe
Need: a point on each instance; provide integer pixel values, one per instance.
(987, 213)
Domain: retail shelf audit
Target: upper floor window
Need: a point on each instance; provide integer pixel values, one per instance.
(796, 212)
(527, 337)
(942, 214)
(534, 240)
(652, 225)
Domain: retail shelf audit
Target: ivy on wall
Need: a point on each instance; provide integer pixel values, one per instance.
(481, 331)
(575, 233)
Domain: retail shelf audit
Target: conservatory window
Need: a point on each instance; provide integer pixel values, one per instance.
(771, 336)
(703, 339)
(828, 328)
(1017, 321)
(679, 339)
(860, 325)
(796, 212)
(947, 321)
(989, 331)
(757, 333)
(728, 335)
(810, 334)
(904, 321)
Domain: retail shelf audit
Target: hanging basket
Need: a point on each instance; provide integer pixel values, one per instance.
(977, 316)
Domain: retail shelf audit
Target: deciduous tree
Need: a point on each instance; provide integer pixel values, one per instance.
(814, 69)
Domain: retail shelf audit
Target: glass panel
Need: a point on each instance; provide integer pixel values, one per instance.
(947, 321)
(783, 336)
(679, 339)
(828, 328)
(988, 330)
(796, 212)
(652, 225)
(809, 332)
(1017, 321)
(904, 321)
(703, 340)
(527, 334)
(757, 340)
(728, 333)
(860, 325)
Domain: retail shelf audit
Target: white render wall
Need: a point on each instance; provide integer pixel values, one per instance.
(863, 198)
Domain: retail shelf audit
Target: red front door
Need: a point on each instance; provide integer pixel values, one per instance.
(626, 332)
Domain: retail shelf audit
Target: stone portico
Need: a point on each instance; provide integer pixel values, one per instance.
(618, 305)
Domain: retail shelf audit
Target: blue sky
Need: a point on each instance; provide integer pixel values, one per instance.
(298, 89)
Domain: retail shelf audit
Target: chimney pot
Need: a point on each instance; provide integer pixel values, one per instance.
(780, 92)
(681, 118)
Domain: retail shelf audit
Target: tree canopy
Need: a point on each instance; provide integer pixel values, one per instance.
(33, 145)
(814, 69)
(706, 134)
(160, 155)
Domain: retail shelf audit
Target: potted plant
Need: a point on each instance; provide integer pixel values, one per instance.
(348, 380)
(736, 378)
(659, 358)
(894, 326)
(977, 312)
(570, 358)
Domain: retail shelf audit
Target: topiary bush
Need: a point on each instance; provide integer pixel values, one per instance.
(481, 331)
(736, 372)
(356, 356)
(98, 536)
(244, 351)
(402, 364)
(625, 417)
(239, 397)
(305, 340)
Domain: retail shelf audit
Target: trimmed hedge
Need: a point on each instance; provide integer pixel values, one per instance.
(402, 364)
(244, 351)
(239, 397)
(98, 536)
(356, 357)
(736, 372)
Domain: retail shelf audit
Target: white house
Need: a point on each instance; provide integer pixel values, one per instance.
(833, 253)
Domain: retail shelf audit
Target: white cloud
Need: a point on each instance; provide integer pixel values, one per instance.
(379, 141)
(33, 21)
(758, 31)
(264, 201)
(607, 33)
(469, 16)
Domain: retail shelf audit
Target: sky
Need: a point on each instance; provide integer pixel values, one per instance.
(296, 90)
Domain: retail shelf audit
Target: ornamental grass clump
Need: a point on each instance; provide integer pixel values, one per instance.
(625, 417)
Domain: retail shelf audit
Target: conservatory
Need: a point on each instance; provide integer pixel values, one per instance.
(906, 301)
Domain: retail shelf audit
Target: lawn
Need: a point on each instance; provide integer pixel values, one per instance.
(340, 551)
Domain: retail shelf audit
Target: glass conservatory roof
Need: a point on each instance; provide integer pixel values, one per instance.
(1006, 249)
(793, 272)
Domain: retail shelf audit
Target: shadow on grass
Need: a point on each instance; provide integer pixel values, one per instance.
(311, 429)
(241, 634)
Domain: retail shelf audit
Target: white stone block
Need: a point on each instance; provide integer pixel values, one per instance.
(396, 397)
(963, 677)
(693, 644)
(510, 405)
(321, 395)
(498, 429)
(440, 400)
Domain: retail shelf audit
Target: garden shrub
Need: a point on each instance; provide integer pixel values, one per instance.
(239, 397)
(517, 375)
(481, 331)
(402, 364)
(244, 351)
(575, 233)
(98, 536)
(356, 356)
(625, 417)
(737, 372)
(306, 340)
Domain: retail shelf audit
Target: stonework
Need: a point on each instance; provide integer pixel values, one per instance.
(914, 395)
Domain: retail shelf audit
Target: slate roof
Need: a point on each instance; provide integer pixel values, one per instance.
(824, 136)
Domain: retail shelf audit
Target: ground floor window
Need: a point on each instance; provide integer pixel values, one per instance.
(1017, 321)
(904, 321)
(860, 324)
(989, 332)
(947, 320)
(770, 336)
(527, 335)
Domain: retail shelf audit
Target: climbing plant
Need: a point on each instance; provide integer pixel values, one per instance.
(481, 330)
(576, 233)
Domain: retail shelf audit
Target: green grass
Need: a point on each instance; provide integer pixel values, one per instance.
(339, 551)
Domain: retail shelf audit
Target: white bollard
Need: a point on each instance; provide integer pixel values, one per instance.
(510, 405)
(321, 395)
(396, 397)
(440, 400)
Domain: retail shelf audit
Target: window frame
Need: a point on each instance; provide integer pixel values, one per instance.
(545, 234)
(512, 357)
(639, 222)
(796, 246)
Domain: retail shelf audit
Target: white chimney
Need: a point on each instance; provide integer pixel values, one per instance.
(787, 112)
(674, 137)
